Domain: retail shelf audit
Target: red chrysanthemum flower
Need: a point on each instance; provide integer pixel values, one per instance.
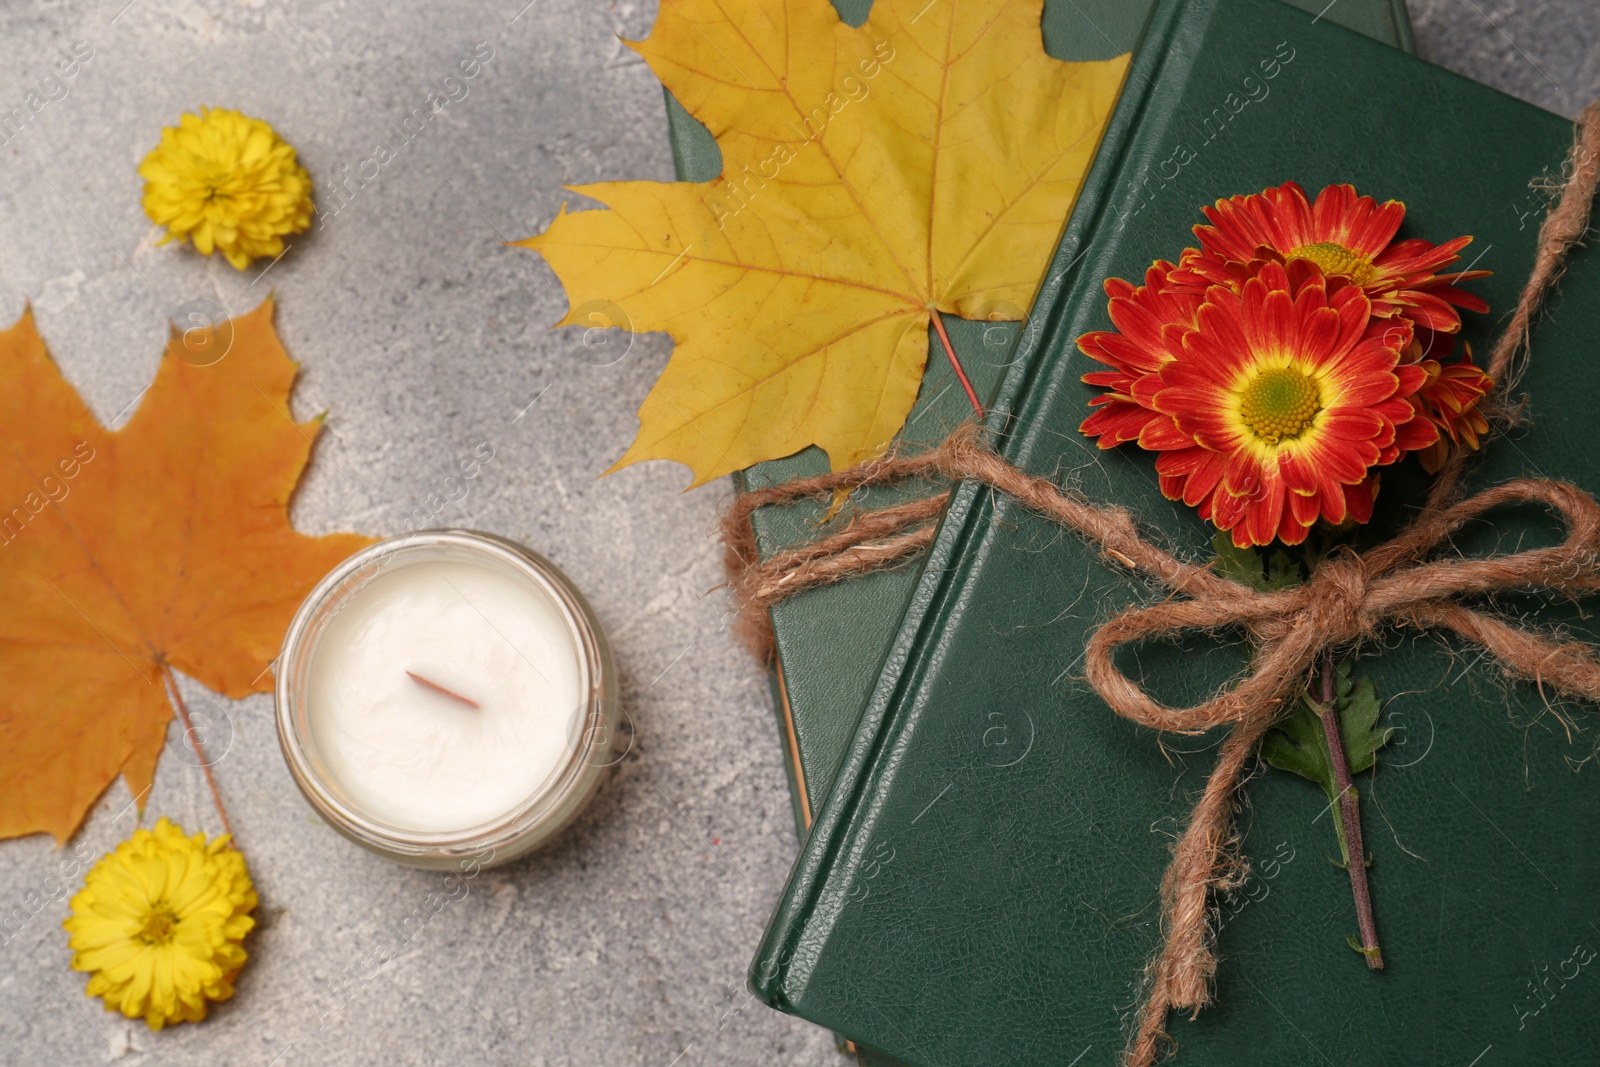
(1345, 236)
(1145, 318)
(1449, 397)
(1276, 369)
(1282, 399)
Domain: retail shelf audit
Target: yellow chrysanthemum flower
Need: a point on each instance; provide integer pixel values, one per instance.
(226, 181)
(158, 925)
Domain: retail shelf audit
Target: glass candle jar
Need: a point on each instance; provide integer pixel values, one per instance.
(446, 697)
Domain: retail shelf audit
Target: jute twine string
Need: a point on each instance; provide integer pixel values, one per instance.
(1347, 600)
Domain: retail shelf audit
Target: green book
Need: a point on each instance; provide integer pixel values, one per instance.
(981, 886)
(831, 641)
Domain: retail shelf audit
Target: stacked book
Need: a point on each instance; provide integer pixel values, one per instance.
(983, 840)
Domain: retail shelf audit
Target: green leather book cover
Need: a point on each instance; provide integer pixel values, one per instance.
(831, 642)
(981, 886)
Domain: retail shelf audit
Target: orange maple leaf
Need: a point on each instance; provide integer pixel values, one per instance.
(126, 555)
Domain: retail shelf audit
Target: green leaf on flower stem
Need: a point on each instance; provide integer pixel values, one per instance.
(1298, 743)
(1252, 567)
(1355, 942)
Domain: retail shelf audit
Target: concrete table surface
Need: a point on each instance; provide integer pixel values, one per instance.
(423, 337)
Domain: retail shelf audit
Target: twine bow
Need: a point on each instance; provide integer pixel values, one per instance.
(1348, 599)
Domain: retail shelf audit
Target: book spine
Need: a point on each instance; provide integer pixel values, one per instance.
(782, 964)
(1404, 38)
(794, 768)
(695, 157)
(792, 763)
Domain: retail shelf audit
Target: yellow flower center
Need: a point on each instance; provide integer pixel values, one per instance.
(1280, 403)
(1333, 258)
(158, 926)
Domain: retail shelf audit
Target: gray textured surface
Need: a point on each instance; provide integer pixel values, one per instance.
(423, 336)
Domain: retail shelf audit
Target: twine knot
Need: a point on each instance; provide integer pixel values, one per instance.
(1336, 601)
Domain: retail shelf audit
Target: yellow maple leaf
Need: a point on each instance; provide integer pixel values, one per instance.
(871, 176)
(128, 554)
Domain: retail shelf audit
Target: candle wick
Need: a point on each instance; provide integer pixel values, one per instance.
(437, 688)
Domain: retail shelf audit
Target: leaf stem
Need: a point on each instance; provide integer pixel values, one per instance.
(1349, 812)
(955, 364)
(199, 749)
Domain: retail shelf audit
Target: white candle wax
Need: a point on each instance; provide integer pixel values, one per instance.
(413, 757)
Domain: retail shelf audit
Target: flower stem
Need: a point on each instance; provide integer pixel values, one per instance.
(199, 749)
(955, 364)
(1349, 812)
